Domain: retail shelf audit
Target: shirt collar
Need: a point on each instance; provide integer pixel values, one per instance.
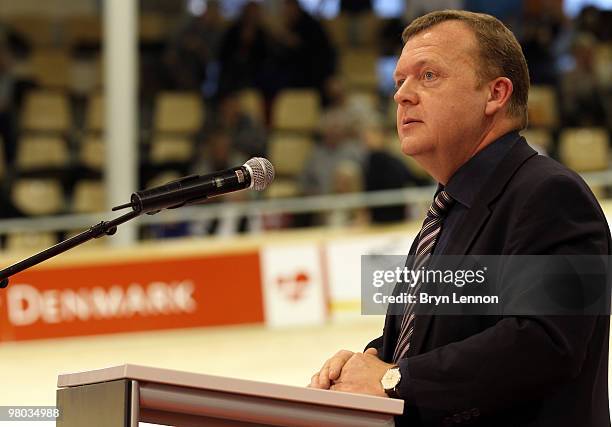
(467, 181)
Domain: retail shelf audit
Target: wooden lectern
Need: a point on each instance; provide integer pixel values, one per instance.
(121, 396)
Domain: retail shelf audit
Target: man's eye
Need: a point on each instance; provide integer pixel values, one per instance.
(429, 75)
(399, 84)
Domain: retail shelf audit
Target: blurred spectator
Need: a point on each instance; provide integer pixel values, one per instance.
(542, 24)
(353, 108)
(355, 6)
(390, 37)
(334, 93)
(355, 11)
(7, 121)
(16, 44)
(337, 145)
(194, 48)
(217, 154)
(244, 52)
(347, 178)
(510, 12)
(246, 135)
(384, 171)
(305, 56)
(582, 98)
(588, 21)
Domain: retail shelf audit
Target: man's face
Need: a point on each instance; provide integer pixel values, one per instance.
(440, 103)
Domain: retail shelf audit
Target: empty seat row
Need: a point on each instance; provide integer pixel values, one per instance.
(346, 31)
(585, 149)
(287, 152)
(56, 69)
(36, 196)
(41, 30)
(43, 152)
(174, 112)
(50, 111)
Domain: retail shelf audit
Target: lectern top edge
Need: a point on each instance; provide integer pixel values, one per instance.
(233, 385)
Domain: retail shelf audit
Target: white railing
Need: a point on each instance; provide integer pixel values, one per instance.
(416, 196)
(410, 196)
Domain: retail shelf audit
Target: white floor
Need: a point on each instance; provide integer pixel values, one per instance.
(28, 370)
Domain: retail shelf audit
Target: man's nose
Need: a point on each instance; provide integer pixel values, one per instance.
(405, 94)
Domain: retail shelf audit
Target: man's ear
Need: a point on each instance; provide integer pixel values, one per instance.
(500, 91)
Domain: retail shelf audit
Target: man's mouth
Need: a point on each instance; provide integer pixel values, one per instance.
(410, 121)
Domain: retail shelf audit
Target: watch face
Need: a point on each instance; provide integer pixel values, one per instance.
(391, 378)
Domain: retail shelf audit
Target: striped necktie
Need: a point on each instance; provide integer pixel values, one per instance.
(427, 238)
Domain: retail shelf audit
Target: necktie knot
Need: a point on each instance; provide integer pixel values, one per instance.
(441, 204)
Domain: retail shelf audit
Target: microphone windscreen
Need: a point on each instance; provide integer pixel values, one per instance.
(262, 172)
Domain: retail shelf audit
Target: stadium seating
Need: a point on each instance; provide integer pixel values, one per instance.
(283, 188)
(541, 138)
(92, 152)
(178, 112)
(296, 110)
(542, 107)
(85, 76)
(38, 30)
(42, 153)
(34, 196)
(89, 196)
(51, 68)
(171, 149)
(46, 111)
(358, 69)
(29, 241)
(289, 154)
(94, 118)
(82, 30)
(346, 31)
(252, 103)
(585, 149)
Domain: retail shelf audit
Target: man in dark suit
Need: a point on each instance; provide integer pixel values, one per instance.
(462, 85)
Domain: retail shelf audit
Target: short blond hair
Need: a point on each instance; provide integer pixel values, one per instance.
(500, 53)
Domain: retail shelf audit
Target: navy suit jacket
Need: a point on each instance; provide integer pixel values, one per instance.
(513, 370)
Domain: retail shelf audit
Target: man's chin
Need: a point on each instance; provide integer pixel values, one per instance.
(411, 146)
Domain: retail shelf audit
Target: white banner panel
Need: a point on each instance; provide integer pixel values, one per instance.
(293, 285)
(344, 263)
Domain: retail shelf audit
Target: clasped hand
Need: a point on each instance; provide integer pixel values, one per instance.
(353, 373)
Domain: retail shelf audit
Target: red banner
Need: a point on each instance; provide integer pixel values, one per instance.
(111, 297)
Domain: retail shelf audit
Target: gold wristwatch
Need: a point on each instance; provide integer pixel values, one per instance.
(390, 382)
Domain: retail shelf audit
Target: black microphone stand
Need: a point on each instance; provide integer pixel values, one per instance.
(151, 202)
(104, 228)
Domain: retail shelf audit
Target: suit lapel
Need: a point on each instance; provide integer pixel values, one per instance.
(475, 218)
(480, 211)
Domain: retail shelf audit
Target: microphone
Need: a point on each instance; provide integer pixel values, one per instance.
(257, 173)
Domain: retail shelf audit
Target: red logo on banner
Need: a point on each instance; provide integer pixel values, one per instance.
(293, 287)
